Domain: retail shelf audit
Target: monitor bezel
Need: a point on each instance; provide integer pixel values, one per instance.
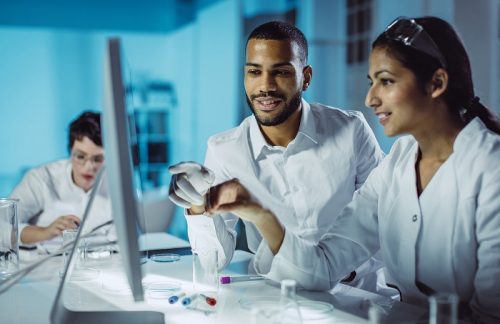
(118, 155)
(124, 205)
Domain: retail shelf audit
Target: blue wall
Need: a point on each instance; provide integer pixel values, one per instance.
(51, 57)
(50, 74)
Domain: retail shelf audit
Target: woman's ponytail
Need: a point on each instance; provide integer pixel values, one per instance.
(475, 108)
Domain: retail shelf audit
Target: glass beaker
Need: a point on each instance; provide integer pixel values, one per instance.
(80, 257)
(443, 308)
(9, 238)
(206, 272)
(290, 310)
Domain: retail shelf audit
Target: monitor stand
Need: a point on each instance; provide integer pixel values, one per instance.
(60, 314)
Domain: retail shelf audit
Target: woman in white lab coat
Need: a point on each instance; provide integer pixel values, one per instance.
(52, 197)
(433, 205)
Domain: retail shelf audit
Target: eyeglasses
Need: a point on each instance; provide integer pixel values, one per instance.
(411, 34)
(81, 159)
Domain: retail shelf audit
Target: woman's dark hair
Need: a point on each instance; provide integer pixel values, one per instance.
(88, 124)
(459, 96)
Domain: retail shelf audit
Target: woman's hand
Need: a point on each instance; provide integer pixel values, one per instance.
(60, 224)
(33, 234)
(232, 196)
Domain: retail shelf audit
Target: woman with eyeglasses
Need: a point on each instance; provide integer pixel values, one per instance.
(52, 197)
(432, 207)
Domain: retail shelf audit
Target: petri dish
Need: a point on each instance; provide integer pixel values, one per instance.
(309, 309)
(262, 307)
(98, 254)
(259, 301)
(314, 310)
(161, 289)
(85, 274)
(116, 287)
(165, 257)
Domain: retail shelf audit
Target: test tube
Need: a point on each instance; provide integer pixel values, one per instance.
(188, 300)
(173, 299)
(210, 300)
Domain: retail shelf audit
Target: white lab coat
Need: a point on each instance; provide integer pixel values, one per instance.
(48, 191)
(448, 238)
(306, 184)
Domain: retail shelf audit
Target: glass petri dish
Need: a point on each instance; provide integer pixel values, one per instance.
(309, 309)
(98, 254)
(165, 257)
(263, 308)
(314, 310)
(85, 274)
(259, 301)
(161, 289)
(116, 287)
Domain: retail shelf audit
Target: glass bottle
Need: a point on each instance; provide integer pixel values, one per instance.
(289, 308)
(443, 308)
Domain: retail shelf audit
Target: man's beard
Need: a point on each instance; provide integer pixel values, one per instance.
(283, 115)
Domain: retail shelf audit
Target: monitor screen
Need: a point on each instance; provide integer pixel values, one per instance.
(119, 170)
(124, 204)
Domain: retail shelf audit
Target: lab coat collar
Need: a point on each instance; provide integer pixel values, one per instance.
(307, 128)
(468, 133)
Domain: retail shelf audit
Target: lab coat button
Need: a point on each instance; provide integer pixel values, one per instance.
(414, 218)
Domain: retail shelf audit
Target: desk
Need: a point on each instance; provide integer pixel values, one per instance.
(30, 300)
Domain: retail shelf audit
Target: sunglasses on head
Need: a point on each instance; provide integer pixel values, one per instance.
(410, 33)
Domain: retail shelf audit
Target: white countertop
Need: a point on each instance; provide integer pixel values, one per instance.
(30, 300)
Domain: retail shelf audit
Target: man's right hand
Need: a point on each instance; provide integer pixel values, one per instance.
(189, 184)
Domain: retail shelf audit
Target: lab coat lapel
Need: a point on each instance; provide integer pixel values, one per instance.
(407, 214)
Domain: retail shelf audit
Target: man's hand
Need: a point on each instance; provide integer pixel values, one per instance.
(232, 196)
(189, 184)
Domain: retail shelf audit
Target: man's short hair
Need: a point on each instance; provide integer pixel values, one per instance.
(278, 30)
(87, 124)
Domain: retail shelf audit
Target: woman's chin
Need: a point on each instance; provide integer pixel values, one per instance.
(389, 131)
(85, 184)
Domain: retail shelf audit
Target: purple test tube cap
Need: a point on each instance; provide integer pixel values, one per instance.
(225, 280)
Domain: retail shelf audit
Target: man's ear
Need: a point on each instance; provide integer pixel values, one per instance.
(307, 72)
(439, 83)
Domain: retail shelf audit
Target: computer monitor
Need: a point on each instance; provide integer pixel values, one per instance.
(123, 200)
(119, 168)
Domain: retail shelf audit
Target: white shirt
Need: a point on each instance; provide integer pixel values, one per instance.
(306, 184)
(448, 238)
(48, 191)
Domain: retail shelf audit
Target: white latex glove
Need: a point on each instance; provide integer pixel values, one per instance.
(189, 184)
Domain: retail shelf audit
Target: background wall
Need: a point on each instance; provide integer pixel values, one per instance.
(51, 57)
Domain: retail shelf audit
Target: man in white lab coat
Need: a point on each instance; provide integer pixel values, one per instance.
(302, 161)
(432, 207)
